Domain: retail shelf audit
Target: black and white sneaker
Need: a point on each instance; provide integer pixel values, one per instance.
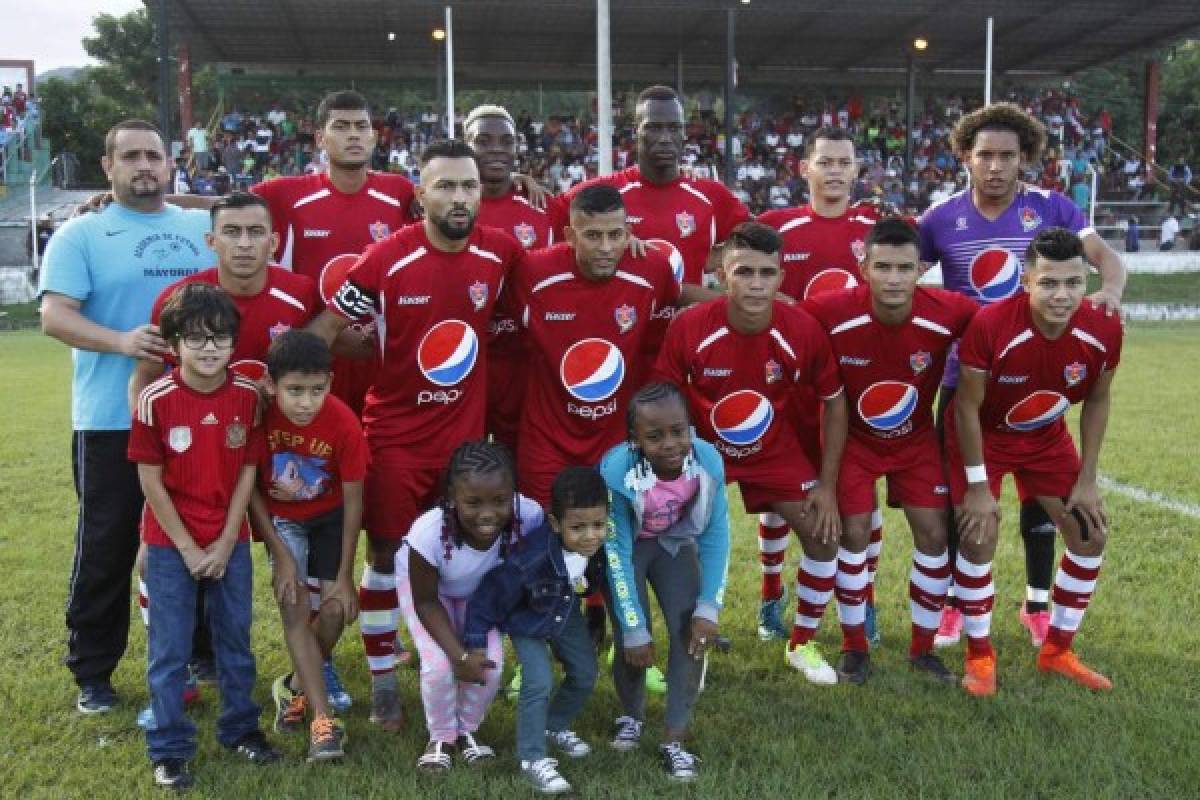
(854, 667)
(929, 664)
(255, 748)
(680, 765)
(628, 734)
(173, 773)
(96, 698)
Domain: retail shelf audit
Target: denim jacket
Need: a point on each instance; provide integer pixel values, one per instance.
(704, 525)
(528, 594)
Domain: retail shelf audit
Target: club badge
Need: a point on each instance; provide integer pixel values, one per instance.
(859, 249)
(774, 371)
(919, 361)
(626, 317)
(379, 230)
(1030, 221)
(525, 234)
(686, 223)
(180, 438)
(478, 292)
(1074, 373)
(278, 328)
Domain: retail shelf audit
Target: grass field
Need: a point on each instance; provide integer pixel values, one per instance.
(761, 731)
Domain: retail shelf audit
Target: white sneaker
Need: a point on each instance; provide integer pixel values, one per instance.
(569, 743)
(807, 658)
(628, 735)
(543, 776)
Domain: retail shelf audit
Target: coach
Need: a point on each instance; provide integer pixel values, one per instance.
(102, 273)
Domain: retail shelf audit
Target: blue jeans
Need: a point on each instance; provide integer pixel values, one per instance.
(536, 711)
(172, 615)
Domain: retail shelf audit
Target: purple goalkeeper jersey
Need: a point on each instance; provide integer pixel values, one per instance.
(982, 258)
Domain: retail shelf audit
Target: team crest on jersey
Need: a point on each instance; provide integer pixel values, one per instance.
(180, 438)
(1030, 221)
(626, 317)
(235, 434)
(686, 223)
(478, 292)
(1074, 373)
(526, 234)
(379, 230)
(919, 361)
(278, 328)
(774, 371)
(859, 249)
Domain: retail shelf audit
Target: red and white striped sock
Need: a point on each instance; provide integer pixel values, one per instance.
(379, 610)
(144, 602)
(314, 596)
(874, 548)
(1073, 588)
(850, 585)
(814, 587)
(927, 585)
(976, 594)
(772, 553)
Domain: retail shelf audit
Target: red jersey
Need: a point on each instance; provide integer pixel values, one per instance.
(1032, 380)
(286, 301)
(202, 441)
(693, 215)
(739, 386)
(891, 372)
(433, 309)
(585, 340)
(821, 254)
(311, 462)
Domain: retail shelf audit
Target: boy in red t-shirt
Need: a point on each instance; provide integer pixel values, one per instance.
(195, 440)
(308, 510)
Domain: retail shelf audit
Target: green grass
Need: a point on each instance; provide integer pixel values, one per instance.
(761, 730)
(1179, 287)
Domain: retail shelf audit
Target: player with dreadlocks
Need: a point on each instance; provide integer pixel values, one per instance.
(449, 549)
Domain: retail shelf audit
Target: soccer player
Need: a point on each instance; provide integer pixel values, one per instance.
(823, 247)
(740, 359)
(1025, 361)
(433, 286)
(979, 236)
(102, 273)
(586, 307)
(490, 132)
(891, 339)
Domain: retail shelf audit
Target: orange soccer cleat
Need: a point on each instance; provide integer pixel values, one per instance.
(980, 676)
(1066, 663)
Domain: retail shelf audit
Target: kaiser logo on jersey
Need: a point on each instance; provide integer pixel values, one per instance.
(774, 371)
(995, 274)
(278, 328)
(920, 361)
(742, 417)
(626, 317)
(478, 292)
(887, 405)
(1030, 221)
(180, 438)
(859, 249)
(447, 352)
(673, 257)
(1074, 373)
(526, 234)
(1038, 410)
(379, 230)
(829, 280)
(686, 223)
(592, 370)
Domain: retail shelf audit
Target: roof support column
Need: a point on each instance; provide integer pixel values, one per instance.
(449, 72)
(604, 131)
(730, 173)
(185, 87)
(164, 76)
(1150, 117)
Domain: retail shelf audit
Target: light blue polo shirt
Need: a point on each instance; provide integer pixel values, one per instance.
(115, 263)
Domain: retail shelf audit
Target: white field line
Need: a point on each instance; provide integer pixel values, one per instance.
(1140, 495)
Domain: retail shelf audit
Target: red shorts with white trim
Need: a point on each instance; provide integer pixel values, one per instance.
(783, 480)
(914, 473)
(395, 493)
(1048, 471)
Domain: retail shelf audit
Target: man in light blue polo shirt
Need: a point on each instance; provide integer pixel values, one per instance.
(101, 275)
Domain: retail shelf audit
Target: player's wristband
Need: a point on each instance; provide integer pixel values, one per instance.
(977, 474)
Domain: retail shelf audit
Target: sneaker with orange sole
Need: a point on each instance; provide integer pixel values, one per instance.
(1067, 664)
(979, 678)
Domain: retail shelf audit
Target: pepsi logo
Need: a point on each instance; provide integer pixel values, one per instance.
(592, 370)
(742, 417)
(447, 352)
(250, 368)
(829, 280)
(334, 273)
(887, 405)
(1038, 410)
(672, 253)
(995, 274)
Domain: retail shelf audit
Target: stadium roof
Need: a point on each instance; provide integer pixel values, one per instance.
(779, 42)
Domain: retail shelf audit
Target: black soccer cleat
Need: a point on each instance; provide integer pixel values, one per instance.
(854, 667)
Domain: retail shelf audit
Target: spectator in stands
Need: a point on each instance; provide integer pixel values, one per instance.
(1081, 193)
(197, 139)
(1168, 232)
(1133, 241)
(1180, 179)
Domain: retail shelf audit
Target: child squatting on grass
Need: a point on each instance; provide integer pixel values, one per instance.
(308, 510)
(534, 597)
(195, 440)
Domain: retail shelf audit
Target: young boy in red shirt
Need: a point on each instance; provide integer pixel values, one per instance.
(195, 441)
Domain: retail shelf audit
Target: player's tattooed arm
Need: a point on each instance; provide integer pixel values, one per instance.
(980, 513)
(1112, 273)
(1093, 421)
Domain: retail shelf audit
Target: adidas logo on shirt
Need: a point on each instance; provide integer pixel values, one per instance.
(211, 419)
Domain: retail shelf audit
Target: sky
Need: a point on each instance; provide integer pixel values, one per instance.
(50, 32)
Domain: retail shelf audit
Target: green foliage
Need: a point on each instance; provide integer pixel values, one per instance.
(76, 116)
(1179, 119)
(127, 49)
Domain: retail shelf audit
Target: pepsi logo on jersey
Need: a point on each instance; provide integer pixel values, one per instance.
(995, 274)
(446, 356)
(592, 371)
(1037, 410)
(741, 419)
(829, 280)
(887, 405)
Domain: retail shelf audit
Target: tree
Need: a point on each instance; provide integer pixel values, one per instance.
(127, 49)
(1179, 112)
(75, 119)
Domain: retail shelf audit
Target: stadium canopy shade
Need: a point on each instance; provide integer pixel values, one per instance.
(779, 42)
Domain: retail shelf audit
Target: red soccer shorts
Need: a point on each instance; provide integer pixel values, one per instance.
(787, 479)
(1048, 470)
(913, 470)
(395, 493)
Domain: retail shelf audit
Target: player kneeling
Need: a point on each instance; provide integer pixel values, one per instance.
(891, 338)
(1025, 360)
(308, 510)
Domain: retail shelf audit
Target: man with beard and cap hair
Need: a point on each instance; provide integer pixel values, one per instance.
(432, 286)
(102, 273)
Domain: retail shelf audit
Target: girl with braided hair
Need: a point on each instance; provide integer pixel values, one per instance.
(447, 552)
